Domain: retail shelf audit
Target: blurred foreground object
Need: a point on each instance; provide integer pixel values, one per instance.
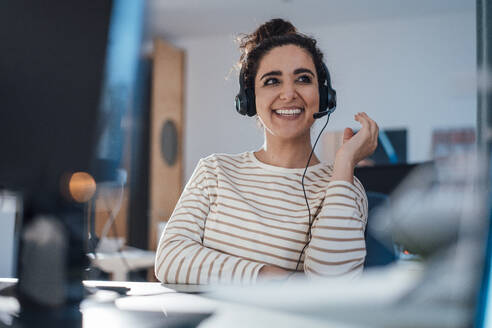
(438, 212)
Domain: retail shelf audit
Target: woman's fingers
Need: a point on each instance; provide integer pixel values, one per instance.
(347, 134)
(367, 135)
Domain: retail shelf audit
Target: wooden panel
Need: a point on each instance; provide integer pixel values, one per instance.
(165, 181)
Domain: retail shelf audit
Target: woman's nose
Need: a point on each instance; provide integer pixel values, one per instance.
(288, 91)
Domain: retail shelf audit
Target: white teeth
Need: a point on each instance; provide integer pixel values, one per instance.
(288, 111)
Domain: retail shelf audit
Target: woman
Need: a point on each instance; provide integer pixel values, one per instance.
(260, 215)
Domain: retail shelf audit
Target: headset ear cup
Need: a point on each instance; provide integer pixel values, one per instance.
(332, 98)
(323, 98)
(245, 99)
(241, 103)
(251, 103)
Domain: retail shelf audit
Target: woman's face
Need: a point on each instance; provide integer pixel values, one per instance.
(286, 90)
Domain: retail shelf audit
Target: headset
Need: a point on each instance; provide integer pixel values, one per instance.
(246, 105)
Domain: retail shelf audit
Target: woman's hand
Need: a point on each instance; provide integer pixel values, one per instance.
(355, 148)
(270, 272)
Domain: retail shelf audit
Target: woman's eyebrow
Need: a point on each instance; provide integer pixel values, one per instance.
(303, 70)
(272, 73)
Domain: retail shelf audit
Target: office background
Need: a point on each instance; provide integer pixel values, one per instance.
(409, 66)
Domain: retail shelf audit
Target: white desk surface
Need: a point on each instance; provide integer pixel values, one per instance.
(369, 302)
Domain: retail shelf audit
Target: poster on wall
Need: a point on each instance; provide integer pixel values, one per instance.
(447, 142)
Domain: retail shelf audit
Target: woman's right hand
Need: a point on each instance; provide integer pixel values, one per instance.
(355, 148)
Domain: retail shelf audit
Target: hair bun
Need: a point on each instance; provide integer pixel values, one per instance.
(272, 28)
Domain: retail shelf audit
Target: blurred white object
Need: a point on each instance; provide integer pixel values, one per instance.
(118, 264)
(110, 245)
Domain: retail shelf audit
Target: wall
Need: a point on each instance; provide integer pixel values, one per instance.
(414, 73)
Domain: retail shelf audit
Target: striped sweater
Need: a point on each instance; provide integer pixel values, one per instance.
(237, 214)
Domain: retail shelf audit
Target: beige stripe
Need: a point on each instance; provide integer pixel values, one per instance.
(165, 257)
(297, 181)
(264, 196)
(245, 257)
(192, 208)
(256, 167)
(185, 221)
(199, 274)
(234, 269)
(319, 176)
(256, 240)
(350, 250)
(174, 258)
(341, 218)
(243, 160)
(191, 264)
(334, 262)
(182, 228)
(271, 206)
(261, 182)
(244, 269)
(359, 186)
(273, 190)
(169, 238)
(338, 228)
(313, 180)
(202, 170)
(328, 196)
(188, 214)
(194, 201)
(211, 267)
(222, 267)
(253, 271)
(257, 232)
(328, 169)
(340, 204)
(358, 207)
(302, 232)
(337, 239)
(263, 217)
(251, 250)
(179, 269)
(341, 186)
(164, 243)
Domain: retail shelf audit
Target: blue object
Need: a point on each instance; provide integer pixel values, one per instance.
(377, 253)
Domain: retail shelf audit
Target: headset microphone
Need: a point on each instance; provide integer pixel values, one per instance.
(323, 113)
(319, 114)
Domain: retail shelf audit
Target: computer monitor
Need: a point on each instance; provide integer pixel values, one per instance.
(52, 67)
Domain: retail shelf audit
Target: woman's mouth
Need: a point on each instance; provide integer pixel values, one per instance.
(288, 113)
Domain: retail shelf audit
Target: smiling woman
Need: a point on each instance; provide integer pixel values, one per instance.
(262, 214)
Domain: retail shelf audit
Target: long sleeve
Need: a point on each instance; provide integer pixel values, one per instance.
(337, 245)
(181, 256)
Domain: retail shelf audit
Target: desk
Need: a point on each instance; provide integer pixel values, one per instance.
(159, 306)
(372, 301)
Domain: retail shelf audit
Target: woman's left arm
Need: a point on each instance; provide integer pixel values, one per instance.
(337, 244)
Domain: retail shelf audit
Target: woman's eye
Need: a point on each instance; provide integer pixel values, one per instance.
(271, 81)
(304, 79)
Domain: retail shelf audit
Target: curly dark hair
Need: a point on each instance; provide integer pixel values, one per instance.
(275, 33)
